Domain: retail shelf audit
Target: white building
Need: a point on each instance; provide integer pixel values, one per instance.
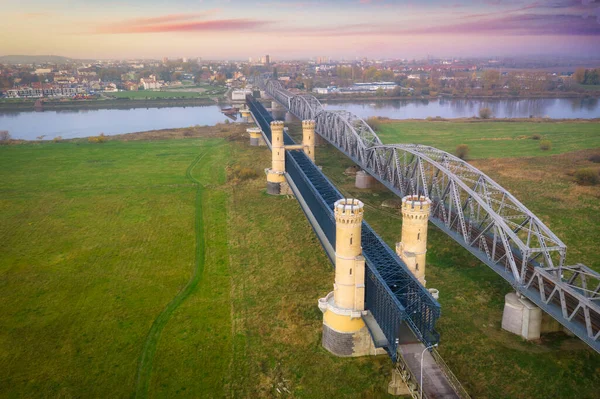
(240, 95)
(150, 83)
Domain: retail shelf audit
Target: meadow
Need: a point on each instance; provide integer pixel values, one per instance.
(495, 138)
(148, 267)
(145, 268)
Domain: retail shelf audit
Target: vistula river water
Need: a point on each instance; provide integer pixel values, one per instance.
(29, 125)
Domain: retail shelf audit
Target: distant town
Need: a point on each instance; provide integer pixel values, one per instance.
(58, 78)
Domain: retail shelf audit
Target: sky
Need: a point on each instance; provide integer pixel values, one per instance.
(340, 29)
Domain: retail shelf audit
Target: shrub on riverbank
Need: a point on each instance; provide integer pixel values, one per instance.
(462, 151)
(587, 177)
(545, 145)
(98, 139)
(485, 113)
(374, 123)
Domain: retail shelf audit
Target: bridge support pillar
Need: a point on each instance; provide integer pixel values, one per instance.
(308, 138)
(246, 115)
(521, 317)
(524, 318)
(276, 175)
(364, 180)
(413, 245)
(256, 137)
(397, 386)
(345, 334)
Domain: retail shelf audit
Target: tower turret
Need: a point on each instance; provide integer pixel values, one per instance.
(276, 175)
(413, 245)
(308, 138)
(344, 331)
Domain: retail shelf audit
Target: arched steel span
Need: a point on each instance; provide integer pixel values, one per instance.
(471, 208)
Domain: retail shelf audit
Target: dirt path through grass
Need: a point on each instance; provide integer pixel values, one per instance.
(144, 371)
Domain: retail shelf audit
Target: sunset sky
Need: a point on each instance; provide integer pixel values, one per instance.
(238, 29)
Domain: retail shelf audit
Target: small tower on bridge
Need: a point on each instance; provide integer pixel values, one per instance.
(246, 115)
(413, 245)
(276, 175)
(344, 331)
(308, 138)
(256, 138)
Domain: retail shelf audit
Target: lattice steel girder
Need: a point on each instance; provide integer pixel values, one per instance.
(576, 302)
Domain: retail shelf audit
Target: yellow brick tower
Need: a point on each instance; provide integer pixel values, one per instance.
(413, 245)
(308, 138)
(344, 331)
(276, 175)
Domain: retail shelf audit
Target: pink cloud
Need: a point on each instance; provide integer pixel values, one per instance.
(194, 26)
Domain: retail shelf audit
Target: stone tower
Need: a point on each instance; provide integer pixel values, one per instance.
(276, 175)
(413, 245)
(308, 138)
(344, 331)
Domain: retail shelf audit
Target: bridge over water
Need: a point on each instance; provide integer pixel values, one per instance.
(471, 208)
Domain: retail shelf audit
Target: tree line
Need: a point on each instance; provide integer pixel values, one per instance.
(587, 76)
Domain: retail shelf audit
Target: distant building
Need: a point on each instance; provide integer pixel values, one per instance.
(240, 95)
(111, 87)
(150, 83)
(131, 86)
(42, 71)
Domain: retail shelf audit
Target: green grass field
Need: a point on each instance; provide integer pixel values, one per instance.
(149, 269)
(140, 269)
(489, 139)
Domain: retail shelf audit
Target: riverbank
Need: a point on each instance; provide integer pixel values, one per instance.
(27, 105)
(374, 98)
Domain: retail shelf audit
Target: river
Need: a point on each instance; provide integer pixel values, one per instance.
(83, 123)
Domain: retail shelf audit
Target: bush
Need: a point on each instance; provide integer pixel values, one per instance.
(545, 145)
(536, 136)
(4, 136)
(98, 139)
(57, 139)
(586, 177)
(239, 173)
(462, 151)
(594, 158)
(485, 113)
(374, 123)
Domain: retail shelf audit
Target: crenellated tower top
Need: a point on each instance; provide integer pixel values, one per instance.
(349, 211)
(416, 206)
(308, 124)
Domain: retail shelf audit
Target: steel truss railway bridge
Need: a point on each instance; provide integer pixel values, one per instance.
(467, 205)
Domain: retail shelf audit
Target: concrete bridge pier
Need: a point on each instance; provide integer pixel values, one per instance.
(256, 137)
(246, 115)
(522, 317)
(345, 334)
(364, 180)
